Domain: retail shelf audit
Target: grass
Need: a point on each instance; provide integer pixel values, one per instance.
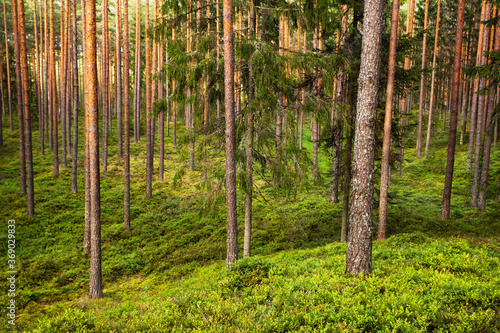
(168, 273)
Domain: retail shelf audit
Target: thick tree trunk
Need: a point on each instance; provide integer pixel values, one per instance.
(91, 93)
(386, 148)
(455, 86)
(359, 247)
(126, 110)
(26, 107)
(232, 226)
(433, 79)
(422, 85)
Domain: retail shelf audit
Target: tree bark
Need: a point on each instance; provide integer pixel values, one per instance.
(126, 110)
(483, 183)
(422, 83)
(7, 58)
(20, 110)
(137, 79)
(26, 107)
(433, 79)
(118, 102)
(359, 247)
(386, 148)
(473, 119)
(105, 86)
(480, 115)
(149, 116)
(74, 175)
(455, 86)
(249, 143)
(91, 96)
(232, 226)
(53, 87)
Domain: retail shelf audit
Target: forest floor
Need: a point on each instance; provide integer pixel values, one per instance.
(168, 273)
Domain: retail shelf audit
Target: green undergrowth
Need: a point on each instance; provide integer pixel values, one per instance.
(167, 273)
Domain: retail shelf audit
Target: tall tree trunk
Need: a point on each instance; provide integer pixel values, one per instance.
(232, 226)
(53, 88)
(62, 84)
(118, 102)
(26, 106)
(74, 175)
(7, 58)
(91, 96)
(279, 110)
(249, 143)
(359, 247)
(433, 79)
(20, 110)
(348, 163)
(126, 110)
(137, 79)
(88, 203)
(105, 86)
(480, 115)
(473, 119)
(3, 103)
(149, 116)
(455, 86)
(174, 103)
(422, 83)
(386, 148)
(336, 119)
(483, 183)
(161, 117)
(36, 64)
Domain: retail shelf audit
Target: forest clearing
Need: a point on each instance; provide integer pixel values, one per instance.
(261, 166)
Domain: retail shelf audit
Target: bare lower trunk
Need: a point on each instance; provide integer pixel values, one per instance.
(359, 247)
(455, 86)
(126, 110)
(74, 178)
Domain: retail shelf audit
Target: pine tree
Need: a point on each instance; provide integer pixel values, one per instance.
(359, 247)
(7, 59)
(126, 110)
(450, 160)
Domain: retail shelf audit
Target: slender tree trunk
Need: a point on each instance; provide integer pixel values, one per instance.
(137, 71)
(386, 148)
(74, 160)
(126, 110)
(26, 106)
(348, 164)
(473, 120)
(422, 83)
(249, 143)
(118, 52)
(53, 87)
(279, 110)
(20, 109)
(3, 103)
(480, 115)
(105, 86)
(433, 79)
(91, 93)
(232, 227)
(359, 247)
(149, 116)
(62, 84)
(483, 183)
(455, 86)
(8, 67)
(36, 64)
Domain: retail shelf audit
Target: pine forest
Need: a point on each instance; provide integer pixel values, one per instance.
(249, 166)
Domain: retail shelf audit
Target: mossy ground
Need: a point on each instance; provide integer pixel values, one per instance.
(168, 273)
